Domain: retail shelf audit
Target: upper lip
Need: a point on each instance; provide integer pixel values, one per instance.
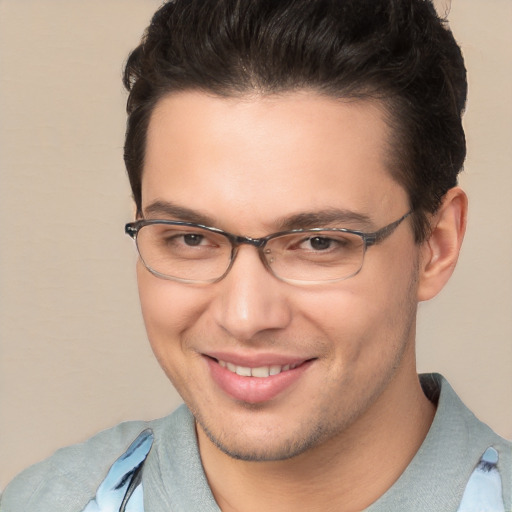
(256, 360)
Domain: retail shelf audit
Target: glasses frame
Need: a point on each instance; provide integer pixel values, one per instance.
(369, 239)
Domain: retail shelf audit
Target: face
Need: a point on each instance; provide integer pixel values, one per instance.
(248, 165)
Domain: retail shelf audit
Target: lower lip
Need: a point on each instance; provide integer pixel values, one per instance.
(254, 390)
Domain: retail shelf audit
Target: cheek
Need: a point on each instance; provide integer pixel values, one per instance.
(370, 315)
(348, 320)
(168, 308)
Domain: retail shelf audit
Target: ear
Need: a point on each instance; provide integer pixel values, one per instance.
(440, 252)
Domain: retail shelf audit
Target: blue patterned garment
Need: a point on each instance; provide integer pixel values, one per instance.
(484, 491)
(121, 491)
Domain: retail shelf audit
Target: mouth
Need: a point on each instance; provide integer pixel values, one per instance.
(260, 372)
(256, 381)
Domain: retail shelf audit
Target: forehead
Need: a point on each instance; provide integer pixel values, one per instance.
(257, 158)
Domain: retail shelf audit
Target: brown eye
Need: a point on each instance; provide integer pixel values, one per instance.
(320, 243)
(193, 239)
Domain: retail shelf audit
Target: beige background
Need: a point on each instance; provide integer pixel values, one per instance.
(74, 358)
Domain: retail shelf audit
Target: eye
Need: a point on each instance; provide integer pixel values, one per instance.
(193, 239)
(323, 243)
(184, 240)
(172, 243)
(178, 238)
(320, 243)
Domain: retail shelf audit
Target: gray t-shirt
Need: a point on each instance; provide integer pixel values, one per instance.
(173, 479)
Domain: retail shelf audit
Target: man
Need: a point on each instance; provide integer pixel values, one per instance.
(294, 168)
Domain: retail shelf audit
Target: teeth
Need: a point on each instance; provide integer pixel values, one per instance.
(275, 369)
(244, 371)
(260, 371)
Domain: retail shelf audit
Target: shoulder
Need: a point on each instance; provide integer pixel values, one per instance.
(454, 423)
(442, 473)
(459, 443)
(69, 479)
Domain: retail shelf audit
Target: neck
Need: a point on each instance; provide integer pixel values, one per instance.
(345, 474)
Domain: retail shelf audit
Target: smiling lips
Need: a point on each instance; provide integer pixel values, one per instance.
(260, 371)
(255, 384)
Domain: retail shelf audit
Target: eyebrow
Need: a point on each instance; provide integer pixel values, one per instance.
(329, 217)
(168, 209)
(305, 220)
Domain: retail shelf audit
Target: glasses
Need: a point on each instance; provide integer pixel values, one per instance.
(193, 253)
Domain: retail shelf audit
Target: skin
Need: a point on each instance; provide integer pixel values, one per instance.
(335, 439)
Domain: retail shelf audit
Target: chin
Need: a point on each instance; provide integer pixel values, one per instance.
(271, 445)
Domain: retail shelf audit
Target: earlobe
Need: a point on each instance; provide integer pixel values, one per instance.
(439, 253)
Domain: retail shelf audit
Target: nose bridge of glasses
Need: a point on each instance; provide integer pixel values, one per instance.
(258, 243)
(247, 240)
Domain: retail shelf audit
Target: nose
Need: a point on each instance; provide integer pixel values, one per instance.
(250, 300)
